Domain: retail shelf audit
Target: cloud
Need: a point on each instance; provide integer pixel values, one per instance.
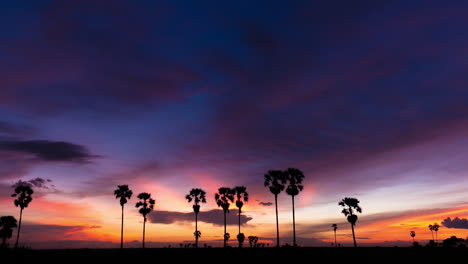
(265, 203)
(215, 217)
(39, 183)
(455, 223)
(49, 150)
(43, 232)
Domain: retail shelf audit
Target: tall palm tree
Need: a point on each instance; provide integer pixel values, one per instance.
(295, 178)
(431, 228)
(241, 196)
(224, 198)
(275, 181)
(197, 196)
(435, 227)
(147, 205)
(353, 205)
(412, 234)
(335, 227)
(7, 223)
(124, 194)
(23, 194)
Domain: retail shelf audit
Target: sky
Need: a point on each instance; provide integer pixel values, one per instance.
(367, 98)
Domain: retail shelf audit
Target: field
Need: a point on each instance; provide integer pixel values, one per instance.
(245, 255)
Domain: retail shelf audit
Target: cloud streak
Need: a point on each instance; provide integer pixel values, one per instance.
(215, 217)
(461, 223)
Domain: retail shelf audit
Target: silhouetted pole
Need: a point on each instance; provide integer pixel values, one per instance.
(121, 229)
(354, 238)
(224, 228)
(294, 223)
(277, 226)
(196, 230)
(19, 228)
(144, 224)
(335, 239)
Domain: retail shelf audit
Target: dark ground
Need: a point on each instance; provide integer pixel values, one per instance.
(244, 255)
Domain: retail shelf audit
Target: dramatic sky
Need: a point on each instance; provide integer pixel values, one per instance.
(367, 98)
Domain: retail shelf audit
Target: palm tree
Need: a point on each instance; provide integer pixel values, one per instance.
(295, 178)
(412, 234)
(24, 197)
(124, 194)
(147, 205)
(223, 198)
(7, 223)
(431, 227)
(253, 241)
(335, 227)
(353, 205)
(197, 196)
(241, 197)
(275, 180)
(435, 227)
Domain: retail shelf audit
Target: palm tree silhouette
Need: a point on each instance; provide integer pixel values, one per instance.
(275, 180)
(335, 227)
(412, 234)
(431, 227)
(124, 194)
(241, 196)
(7, 223)
(435, 227)
(147, 205)
(352, 204)
(223, 198)
(295, 178)
(253, 241)
(197, 196)
(24, 197)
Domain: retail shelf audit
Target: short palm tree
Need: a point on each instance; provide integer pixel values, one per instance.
(23, 194)
(147, 205)
(335, 227)
(294, 178)
(275, 181)
(431, 228)
(435, 227)
(352, 205)
(242, 196)
(412, 234)
(7, 223)
(124, 194)
(224, 198)
(197, 196)
(253, 241)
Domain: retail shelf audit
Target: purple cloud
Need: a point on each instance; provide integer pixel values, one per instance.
(215, 217)
(461, 223)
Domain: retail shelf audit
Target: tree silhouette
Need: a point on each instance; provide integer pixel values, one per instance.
(335, 227)
(412, 234)
(242, 196)
(7, 223)
(147, 205)
(275, 180)
(124, 194)
(435, 227)
(253, 241)
(295, 178)
(197, 196)
(23, 194)
(223, 198)
(353, 205)
(431, 228)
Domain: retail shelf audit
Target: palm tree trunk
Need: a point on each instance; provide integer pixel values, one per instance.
(144, 224)
(239, 225)
(277, 226)
(432, 233)
(19, 228)
(335, 239)
(354, 237)
(294, 223)
(4, 241)
(121, 229)
(436, 238)
(196, 230)
(224, 228)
